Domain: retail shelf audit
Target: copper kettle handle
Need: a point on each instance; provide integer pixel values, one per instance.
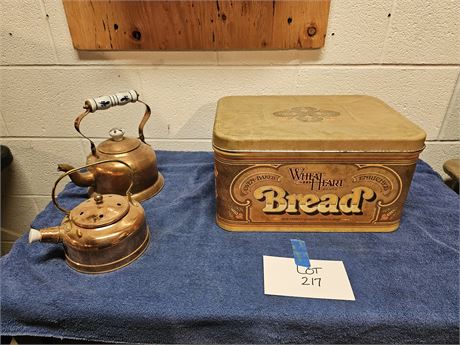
(128, 191)
(105, 102)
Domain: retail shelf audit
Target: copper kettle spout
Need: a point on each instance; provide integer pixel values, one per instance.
(82, 179)
(52, 235)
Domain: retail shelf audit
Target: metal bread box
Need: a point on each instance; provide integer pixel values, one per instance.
(312, 163)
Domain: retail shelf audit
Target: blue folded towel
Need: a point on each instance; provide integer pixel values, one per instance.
(197, 283)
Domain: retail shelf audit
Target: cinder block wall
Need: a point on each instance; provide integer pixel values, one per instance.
(404, 52)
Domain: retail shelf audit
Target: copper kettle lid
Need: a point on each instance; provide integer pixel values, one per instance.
(99, 211)
(118, 143)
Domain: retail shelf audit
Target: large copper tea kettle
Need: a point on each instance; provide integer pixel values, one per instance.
(103, 233)
(114, 177)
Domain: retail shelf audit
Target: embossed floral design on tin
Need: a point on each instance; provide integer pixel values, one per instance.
(307, 114)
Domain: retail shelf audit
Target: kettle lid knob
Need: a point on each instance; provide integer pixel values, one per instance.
(117, 134)
(98, 198)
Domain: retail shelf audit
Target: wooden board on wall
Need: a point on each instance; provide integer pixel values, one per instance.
(196, 25)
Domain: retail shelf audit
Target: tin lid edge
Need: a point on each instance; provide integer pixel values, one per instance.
(217, 148)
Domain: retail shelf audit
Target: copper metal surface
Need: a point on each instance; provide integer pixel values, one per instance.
(330, 189)
(113, 177)
(101, 234)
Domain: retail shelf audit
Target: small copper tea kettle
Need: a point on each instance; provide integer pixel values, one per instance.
(103, 233)
(113, 178)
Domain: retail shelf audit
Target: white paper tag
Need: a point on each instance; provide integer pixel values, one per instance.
(324, 279)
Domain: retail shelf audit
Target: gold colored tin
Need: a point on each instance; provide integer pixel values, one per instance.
(312, 163)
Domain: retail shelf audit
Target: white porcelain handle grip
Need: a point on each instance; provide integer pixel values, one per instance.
(34, 235)
(105, 102)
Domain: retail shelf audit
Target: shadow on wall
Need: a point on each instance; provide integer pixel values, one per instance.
(200, 124)
(26, 186)
(16, 212)
(206, 57)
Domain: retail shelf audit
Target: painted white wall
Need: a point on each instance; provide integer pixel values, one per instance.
(404, 52)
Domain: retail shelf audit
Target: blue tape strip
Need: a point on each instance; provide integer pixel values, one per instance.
(300, 253)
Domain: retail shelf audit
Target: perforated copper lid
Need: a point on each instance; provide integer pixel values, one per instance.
(102, 210)
(313, 123)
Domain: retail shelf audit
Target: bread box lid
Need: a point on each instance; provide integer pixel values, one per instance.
(313, 123)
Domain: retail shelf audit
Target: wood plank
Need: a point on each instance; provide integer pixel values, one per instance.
(196, 25)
